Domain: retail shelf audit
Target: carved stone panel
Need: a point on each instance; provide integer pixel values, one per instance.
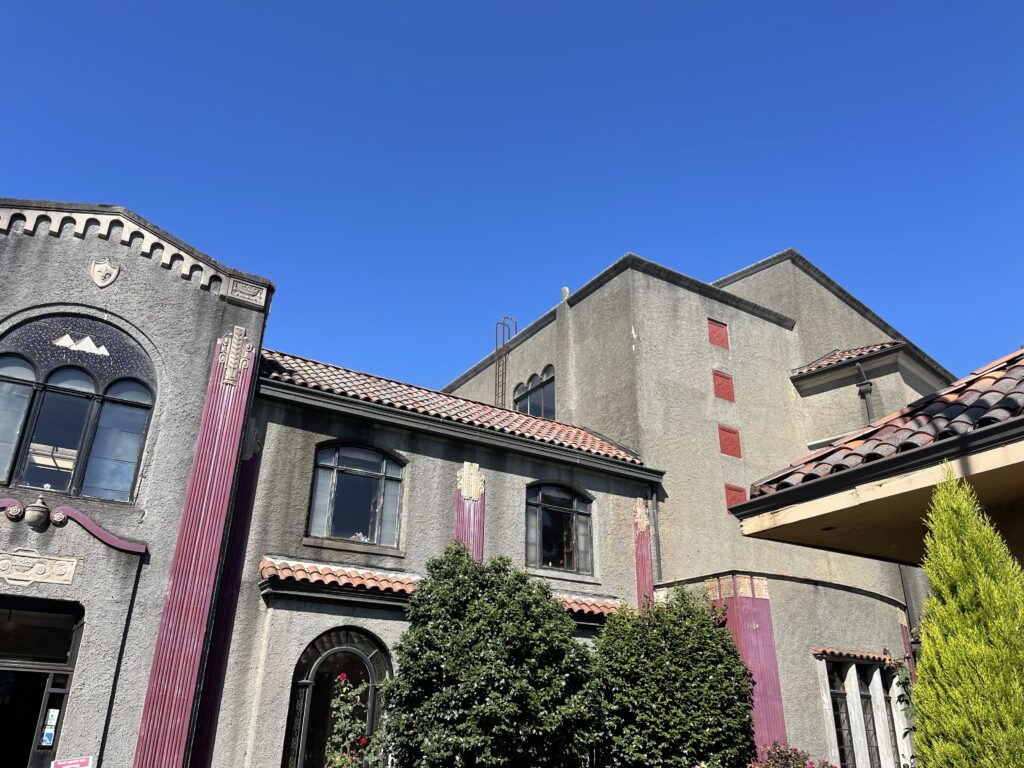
(26, 566)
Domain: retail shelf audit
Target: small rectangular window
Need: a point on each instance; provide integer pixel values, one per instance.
(558, 530)
(723, 386)
(729, 441)
(718, 333)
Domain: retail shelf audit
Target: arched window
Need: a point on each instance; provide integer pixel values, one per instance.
(363, 659)
(357, 495)
(74, 407)
(537, 396)
(558, 530)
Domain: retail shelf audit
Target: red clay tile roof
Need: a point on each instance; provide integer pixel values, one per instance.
(343, 382)
(395, 583)
(322, 573)
(990, 395)
(880, 658)
(838, 356)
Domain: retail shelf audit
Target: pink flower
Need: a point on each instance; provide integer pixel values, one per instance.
(362, 742)
(343, 676)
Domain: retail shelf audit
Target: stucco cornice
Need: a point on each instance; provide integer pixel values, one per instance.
(462, 432)
(157, 245)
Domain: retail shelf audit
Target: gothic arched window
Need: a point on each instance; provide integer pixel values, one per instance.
(362, 659)
(75, 401)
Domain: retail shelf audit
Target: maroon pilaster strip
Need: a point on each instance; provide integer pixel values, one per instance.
(224, 614)
(469, 509)
(749, 619)
(642, 555)
(180, 643)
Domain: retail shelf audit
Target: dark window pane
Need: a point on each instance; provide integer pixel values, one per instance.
(56, 442)
(115, 451)
(553, 496)
(72, 378)
(129, 389)
(361, 459)
(17, 367)
(327, 456)
(548, 372)
(558, 540)
(36, 635)
(14, 402)
(355, 501)
(548, 400)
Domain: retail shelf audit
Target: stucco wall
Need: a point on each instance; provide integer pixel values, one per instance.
(290, 436)
(177, 323)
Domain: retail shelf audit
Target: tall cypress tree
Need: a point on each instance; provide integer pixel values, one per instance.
(969, 697)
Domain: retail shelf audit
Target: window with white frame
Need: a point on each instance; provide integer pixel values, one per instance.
(866, 726)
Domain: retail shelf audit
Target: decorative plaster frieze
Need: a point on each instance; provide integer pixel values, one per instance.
(234, 354)
(471, 481)
(153, 246)
(640, 519)
(26, 566)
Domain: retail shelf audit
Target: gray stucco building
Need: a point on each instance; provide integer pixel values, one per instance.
(199, 532)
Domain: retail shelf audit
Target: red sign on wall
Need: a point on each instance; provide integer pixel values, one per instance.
(72, 762)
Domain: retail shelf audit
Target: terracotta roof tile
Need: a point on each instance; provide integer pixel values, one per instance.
(346, 383)
(880, 658)
(990, 395)
(397, 583)
(839, 356)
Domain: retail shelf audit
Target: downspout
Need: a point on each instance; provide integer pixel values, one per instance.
(652, 496)
(911, 608)
(864, 387)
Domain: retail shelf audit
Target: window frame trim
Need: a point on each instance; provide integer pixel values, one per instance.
(96, 401)
(578, 494)
(310, 539)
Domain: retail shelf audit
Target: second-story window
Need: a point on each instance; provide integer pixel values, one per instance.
(47, 429)
(558, 529)
(356, 496)
(537, 396)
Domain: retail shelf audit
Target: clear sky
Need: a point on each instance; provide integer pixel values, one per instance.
(407, 173)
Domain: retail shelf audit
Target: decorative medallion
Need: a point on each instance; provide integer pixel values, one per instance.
(103, 272)
(26, 566)
(640, 519)
(234, 354)
(471, 481)
(84, 344)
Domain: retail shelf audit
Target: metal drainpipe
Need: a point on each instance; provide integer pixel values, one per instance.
(911, 607)
(652, 494)
(864, 387)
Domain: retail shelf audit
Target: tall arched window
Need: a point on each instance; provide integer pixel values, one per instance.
(357, 495)
(537, 396)
(357, 654)
(72, 418)
(558, 530)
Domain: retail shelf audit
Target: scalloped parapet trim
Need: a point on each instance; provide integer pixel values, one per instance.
(227, 286)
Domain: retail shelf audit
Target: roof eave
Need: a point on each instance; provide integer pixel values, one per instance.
(425, 423)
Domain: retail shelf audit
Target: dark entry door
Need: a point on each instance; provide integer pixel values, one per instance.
(21, 696)
(38, 641)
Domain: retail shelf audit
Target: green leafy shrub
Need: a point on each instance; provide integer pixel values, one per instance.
(969, 696)
(783, 756)
(672, 688)
(347, 743)
(489, 673)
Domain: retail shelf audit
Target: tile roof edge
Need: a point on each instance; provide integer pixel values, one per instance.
(884, 348)
(625, 449)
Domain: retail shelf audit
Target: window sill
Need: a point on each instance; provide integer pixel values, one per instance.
(351, 546)
(557, 575)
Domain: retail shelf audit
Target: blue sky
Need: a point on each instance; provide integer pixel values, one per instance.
(407, 173)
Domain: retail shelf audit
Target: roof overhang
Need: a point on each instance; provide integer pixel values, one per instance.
(879, 512)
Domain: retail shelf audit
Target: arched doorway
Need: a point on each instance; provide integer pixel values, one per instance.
(362, 658)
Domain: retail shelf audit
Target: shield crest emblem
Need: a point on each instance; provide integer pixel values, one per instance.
(103, 272)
